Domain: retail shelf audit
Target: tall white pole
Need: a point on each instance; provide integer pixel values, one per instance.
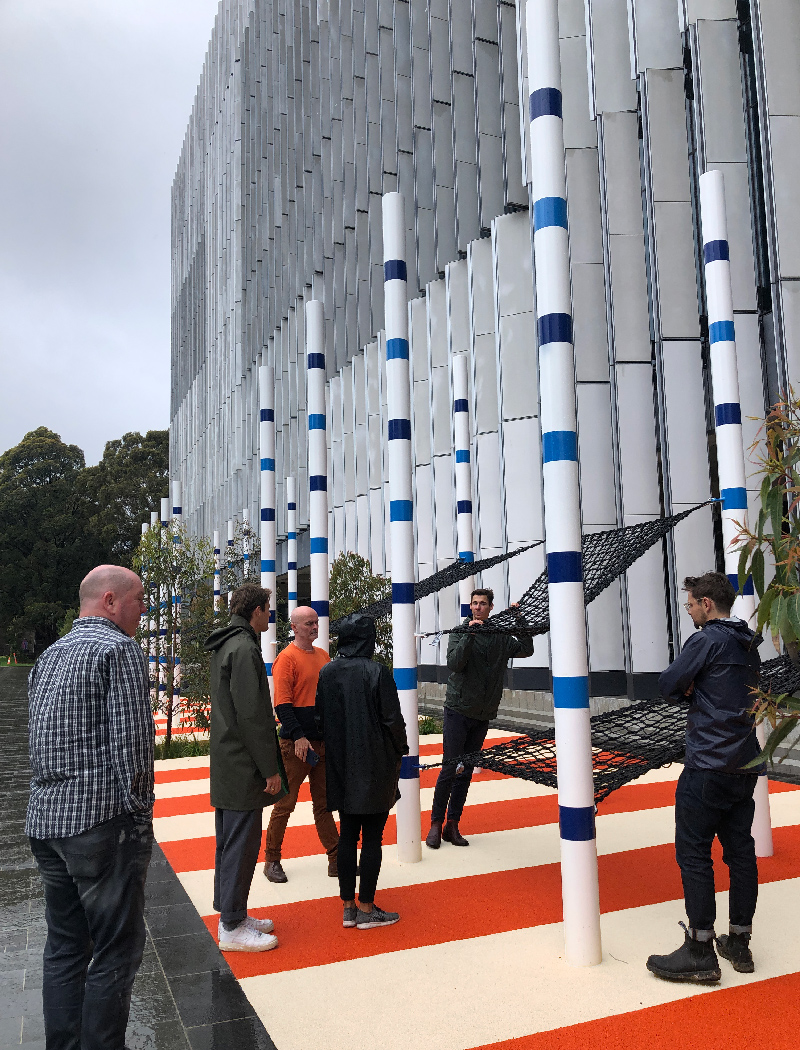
(177, 518)
(217, 575)
(266, 387)
(230, 561)
(291, 543)
(728, 421)
(318, 468)
(401, 517)
(466, 542)
(579, 882)
(152, 600)
(245, 544)
(163, 601)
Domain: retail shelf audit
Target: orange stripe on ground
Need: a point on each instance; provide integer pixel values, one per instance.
(722, 1019)
(172, 776)
(311, 934)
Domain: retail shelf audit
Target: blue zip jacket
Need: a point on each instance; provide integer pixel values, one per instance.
(722, 661)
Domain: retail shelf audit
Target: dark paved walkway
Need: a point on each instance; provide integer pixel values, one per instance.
(185, 995)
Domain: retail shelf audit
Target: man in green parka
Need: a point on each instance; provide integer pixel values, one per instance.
(477, 659)
(246, 769)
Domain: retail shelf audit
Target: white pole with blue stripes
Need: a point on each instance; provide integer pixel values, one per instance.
(245, 544)
(291, 544)
(230, 560)
(152, 599)
(728, 422)
(217, 575)
(401, 517)
(163, 600)
(318, 468)
(266, 387)
(466, 541)
(562, 513)
(145, 620)
(177, 518)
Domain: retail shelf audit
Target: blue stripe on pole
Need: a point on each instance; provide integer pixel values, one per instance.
(177, 510)
(564, 567)
(268, 669)
(748, 583)
(272, 617)
(465, 610)
(292, 506)
(316, 360)
(316, 421)
(267, 514)
(267, 464)
(467, 556)
(409, 766)
(267, 415)
(570, 692)
(721, 332)
(318, 544)
(555, 328)
(399, 430)
(395, 270)
(320, 608)
(292, 596)
(462, 455)
(713, 251)
(268, 565)
(545, 102)
(464, 506)
(559, 445)
(291, 535)
(291, 566)
(734, 499)
(216, 592)
(402, 594)
(728, 413)
(396, 349)
(401, 510)
(216, 550)
(405, 677)
(549, 211)
(576, 823)
(318, 483)
(461, 405)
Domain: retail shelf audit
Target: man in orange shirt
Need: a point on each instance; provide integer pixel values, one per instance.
(294, 677)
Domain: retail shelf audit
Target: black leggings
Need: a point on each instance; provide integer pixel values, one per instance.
(371, 826)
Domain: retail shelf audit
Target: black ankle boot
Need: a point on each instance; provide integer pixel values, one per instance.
(693, 961)
(451, 834)
(735, 947)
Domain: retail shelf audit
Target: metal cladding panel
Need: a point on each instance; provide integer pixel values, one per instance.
(439, 395)
(424, 517)
(596, 455)
(629, 298)
(654, 28)
(518, 364)
(590, 338)
(740, 235)
(780, 30)
(523, 480)
(721, 92)
(791, 321)
(613, 88)
(686, 423)
(637, 440)
(785, 135)
(422, 422)
(486, 414)
(579, 128)
(677, 288)
(489, 504)
(443, 493)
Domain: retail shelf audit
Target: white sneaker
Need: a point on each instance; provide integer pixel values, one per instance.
(245, 938)
(262, 925)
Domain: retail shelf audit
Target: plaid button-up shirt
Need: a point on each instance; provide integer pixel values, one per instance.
(91, 731)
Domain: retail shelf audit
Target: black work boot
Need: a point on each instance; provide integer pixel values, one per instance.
(451, 834)
(695, 960)
(434, 839)
(735, 947)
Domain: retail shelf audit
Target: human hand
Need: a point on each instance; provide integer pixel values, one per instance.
(475, 623)
(514, 607)
(301, 747)
(273, 785)
(690, 690)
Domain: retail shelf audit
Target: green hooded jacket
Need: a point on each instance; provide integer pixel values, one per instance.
(244, 740)
(477, 661)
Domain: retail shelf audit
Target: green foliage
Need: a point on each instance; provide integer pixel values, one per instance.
(233, 560)
(430, 724)
(197, 612)
(353, 586)
(182, 747)
(70, 616)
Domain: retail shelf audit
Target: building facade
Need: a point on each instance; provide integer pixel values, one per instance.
(308, 111)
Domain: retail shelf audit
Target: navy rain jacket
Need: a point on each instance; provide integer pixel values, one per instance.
(723, 662)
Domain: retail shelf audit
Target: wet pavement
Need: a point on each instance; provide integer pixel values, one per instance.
(184, 998)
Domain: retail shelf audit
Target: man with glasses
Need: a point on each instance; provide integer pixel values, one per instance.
(716, 672)
(477, 659)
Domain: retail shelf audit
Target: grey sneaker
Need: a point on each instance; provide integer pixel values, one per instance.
(370, 920)
(349, 917)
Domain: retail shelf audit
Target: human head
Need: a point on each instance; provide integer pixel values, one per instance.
(114, 593)
(481, 603)
(251, 602)
(711, 596)
(305, 624)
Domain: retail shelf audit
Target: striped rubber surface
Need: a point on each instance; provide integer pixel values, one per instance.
(476, 960)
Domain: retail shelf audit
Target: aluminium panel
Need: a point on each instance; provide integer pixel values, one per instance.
(422, 422)
(423, 514)
(520, 381)
(590, 331)
(583, 206)
(523, 481)
(445, 509)
(598, 505)
(485, 362)
(686, 422)
(637, 440)
(675, 264)
(656, 33)
(629, 298)
(488, 516)
(614, 90)
(579, 128)
(785, 138)
(720, 84)
(780, 32)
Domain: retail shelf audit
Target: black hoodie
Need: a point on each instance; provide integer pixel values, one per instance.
(359, 718)
(722, 661)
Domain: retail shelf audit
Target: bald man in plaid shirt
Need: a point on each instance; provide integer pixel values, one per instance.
(90, 814)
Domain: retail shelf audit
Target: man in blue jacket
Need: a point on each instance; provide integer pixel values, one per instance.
(716, 671)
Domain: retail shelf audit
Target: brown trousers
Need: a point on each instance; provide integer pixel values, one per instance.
(296, 773)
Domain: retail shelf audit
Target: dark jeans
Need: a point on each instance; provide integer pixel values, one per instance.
(462, 735)
(708, 803)
(94, 897)
(238, 845)
(371, 826)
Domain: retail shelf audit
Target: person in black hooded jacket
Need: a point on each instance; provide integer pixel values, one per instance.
(359, 719)
(716, 672)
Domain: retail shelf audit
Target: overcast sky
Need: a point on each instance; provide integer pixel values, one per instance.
(95, 96)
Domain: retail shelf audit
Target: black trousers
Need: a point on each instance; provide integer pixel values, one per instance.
(94, 898)
(370, 826)
(238, 845)
(709, 804)
(461, 736)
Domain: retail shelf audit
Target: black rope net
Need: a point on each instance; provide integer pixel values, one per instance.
(780, 675)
